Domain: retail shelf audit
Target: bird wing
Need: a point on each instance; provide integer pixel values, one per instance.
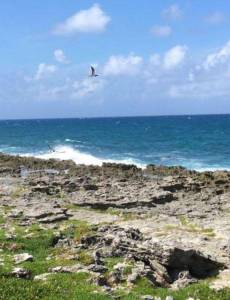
(93, 71)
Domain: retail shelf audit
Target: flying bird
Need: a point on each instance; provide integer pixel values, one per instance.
(51, 149)
(93, 72)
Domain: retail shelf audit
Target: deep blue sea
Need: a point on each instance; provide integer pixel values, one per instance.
(195, 142)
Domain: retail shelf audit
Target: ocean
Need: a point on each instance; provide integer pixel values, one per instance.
(195, 142)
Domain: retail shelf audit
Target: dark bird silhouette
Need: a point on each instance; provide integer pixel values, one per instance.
(93, 72)
(51, 149)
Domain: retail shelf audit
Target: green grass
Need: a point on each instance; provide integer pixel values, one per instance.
(199, 291)
(59, 287)
(186, 225)
(2, 219)
(76, 229)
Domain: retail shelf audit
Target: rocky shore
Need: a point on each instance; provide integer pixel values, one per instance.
(117, 223)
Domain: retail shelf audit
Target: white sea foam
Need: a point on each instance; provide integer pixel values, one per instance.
(66, 152)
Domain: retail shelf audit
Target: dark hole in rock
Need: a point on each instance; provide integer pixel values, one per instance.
(198, 265)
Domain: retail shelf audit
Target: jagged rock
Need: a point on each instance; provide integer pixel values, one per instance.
(42, 211)
(15, 213)
(21, 273)
(53, 218)
(62, 242)
(120, 266)
(19, 258)
(47, 189)
(159, 262)
(160, 272)
(97, 268)
(67, 269)
(132, 278)
(90, 187)
(156, 197)
(183, 279)
(154, 200)
(100, 280)
(98, 258)
(115, 277)
(70, 186)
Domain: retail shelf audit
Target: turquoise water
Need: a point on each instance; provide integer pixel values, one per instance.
(195, 142)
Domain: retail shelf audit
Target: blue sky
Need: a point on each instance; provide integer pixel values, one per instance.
(153, 57)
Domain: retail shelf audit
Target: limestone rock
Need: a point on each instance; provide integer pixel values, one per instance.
(222, 281)
(21, 273)
(19, 258)
(147, 297)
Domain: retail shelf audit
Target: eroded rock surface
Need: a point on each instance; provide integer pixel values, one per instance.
(169, 224)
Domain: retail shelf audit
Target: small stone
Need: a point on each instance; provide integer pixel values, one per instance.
(120, 266)
(21, 273)
(19, 258)
(10, 236)
(66, 269)
(147, 297)
(169, 298)
(97, 268)
(58, 269)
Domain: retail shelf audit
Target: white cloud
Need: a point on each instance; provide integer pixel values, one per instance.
(202, 88)
(161, 31)
(207, 80)
(174, 57)
(60, 57)
(215, 18)
(86, 87)
(44, 70)
(93, 20)
(155, 59)
(173, 12)
(123, 65)
(160, 77)
(218, 57)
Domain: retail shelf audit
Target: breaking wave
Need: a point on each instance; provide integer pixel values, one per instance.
(66, 152)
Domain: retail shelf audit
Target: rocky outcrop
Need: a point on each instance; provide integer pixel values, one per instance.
(163, 265)
(168, 224)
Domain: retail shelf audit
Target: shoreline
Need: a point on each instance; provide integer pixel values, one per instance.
(99, 161)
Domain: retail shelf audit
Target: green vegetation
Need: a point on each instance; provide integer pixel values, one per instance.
(59, 287)
(110, 262)
(199, 291)
(126, 216)
(39, 242)
(186, 225)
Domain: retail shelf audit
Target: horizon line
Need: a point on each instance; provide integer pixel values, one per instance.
(114, 117)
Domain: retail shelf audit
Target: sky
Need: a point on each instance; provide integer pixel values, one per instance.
(152, 57)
